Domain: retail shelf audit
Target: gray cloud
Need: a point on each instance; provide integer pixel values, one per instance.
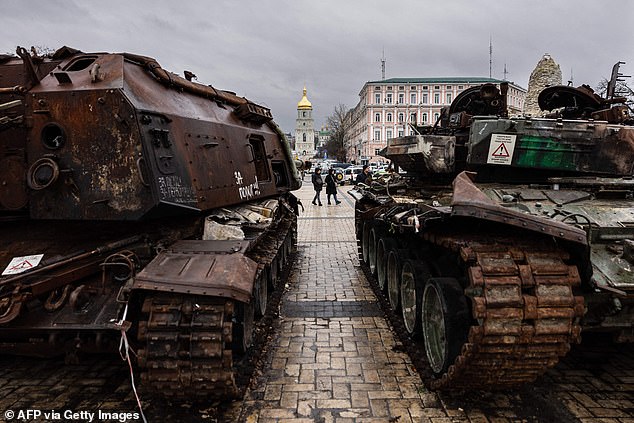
(268, 50)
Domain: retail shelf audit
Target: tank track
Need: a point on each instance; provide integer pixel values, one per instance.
(187, 340)
(522, 299)
(186, 352)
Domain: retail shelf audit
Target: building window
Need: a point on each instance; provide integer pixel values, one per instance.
(448, 98)
(425, 87)
(436, 87)
(377, 135)
(412, 98)
(377, 88)
(377, 117)
(412, 117)
(401, 117)
(401, 88)
(388, 117)
(425, 98)
(389, 88)
(448, 87)
(377, 98)
(304, 136)
(436, 98)
(388, 134)
(388, 98)
(376, 151)
(460, 87)
(303, 114)
(436, 116)
(401, 98)
(413, 87)
(400, 132)
(424, 117)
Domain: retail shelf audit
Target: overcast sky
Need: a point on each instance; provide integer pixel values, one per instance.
(268, 50)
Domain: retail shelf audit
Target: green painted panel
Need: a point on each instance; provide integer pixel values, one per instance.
(542, 152)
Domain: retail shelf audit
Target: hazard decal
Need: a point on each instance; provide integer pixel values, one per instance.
(22, 264)
(501, 149)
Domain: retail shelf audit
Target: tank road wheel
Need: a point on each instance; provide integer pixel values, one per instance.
(414, 275)
(444, 322)
(365, 242)
(394, 264)
(375, 235)
(382, 249)
(243, 327)
(261, 292)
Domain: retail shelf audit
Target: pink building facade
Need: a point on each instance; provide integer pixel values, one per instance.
(387, 107)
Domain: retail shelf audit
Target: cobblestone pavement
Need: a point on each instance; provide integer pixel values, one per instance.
(333, 358)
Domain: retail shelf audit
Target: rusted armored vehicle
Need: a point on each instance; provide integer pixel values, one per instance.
(137, 203)
(507, 236)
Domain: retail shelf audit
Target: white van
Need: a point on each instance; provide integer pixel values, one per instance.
(350, 174)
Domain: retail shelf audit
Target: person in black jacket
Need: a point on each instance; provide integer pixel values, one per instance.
(331, 186)
(318, 183)
(364, 177)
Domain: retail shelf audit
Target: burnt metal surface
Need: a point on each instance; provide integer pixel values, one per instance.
(201, 268)
(526, 311)
(565, 178)
(469, 201)
(428, 154)
(108, 163)
(150, 159)
(557, 146)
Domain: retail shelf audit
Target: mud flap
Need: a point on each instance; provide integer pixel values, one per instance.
(210, 268)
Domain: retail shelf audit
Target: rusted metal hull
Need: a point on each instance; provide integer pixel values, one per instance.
(507, 237)
(110, 169)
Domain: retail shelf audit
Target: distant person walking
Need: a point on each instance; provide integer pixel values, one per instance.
(331, 186)
(318, 183)
(364, 177)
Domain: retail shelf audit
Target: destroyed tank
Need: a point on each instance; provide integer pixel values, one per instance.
(506, 237)
(140, 207)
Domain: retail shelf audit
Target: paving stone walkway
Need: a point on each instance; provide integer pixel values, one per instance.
(336, 359)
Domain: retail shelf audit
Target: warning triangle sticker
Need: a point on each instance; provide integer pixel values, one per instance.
(501, 151)
(22, 264)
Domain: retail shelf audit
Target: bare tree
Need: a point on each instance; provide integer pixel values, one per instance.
(334, 146)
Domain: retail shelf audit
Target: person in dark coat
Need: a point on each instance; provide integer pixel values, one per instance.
(331, 186)
(318, 183)
(364, 177)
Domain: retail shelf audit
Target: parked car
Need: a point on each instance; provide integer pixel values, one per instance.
(350, 174)
(339, 171)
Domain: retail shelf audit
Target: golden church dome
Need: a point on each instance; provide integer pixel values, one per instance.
(304, 103)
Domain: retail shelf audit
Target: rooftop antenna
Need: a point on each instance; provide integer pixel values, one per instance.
(383, 66)
(571, 80)
(490, 57)
(505, 72)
